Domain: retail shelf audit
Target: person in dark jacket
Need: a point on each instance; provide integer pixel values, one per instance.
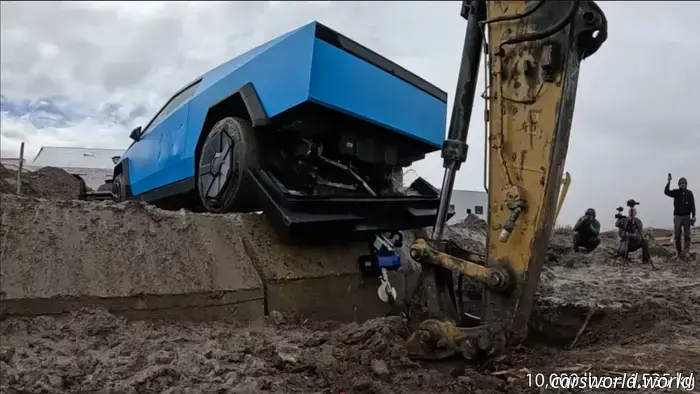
(683, 213)
(587, 232)
(631, 237)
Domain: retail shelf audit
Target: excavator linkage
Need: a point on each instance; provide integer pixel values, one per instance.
(533, 53)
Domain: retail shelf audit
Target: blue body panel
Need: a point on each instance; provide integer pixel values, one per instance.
(380, 97)
(285, 72)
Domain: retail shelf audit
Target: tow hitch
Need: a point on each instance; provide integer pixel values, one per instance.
(382, 258)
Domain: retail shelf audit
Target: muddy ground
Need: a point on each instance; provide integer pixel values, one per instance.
(631, 318)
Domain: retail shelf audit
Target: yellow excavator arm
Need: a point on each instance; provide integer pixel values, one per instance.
(533, 53)
(565, 183)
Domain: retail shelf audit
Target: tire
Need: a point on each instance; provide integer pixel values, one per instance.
(228, 152)
(119, 188)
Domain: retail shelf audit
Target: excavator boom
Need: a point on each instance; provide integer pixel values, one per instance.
(533, 53)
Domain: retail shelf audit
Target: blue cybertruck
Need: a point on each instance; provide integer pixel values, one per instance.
(312, 128)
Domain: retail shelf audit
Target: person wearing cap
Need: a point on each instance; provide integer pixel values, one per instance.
(630, 232)
(683, 213)
(587, 232)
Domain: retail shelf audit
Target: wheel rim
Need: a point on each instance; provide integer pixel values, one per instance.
(217, 166)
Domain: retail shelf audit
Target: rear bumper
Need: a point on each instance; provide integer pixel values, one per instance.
(345, 217)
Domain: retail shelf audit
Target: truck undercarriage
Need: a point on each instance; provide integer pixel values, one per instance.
(326, 173)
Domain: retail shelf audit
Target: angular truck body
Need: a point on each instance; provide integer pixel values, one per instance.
(310, 127)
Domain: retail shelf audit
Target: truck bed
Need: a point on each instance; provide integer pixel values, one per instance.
(315, 64)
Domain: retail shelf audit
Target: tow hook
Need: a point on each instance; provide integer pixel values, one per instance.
(383, 258)
(386, 291)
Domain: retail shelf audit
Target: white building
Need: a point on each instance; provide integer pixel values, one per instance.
(476, 201)
(92, 164)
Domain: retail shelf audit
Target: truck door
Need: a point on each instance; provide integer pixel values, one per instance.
(169, 147)
(156, 155)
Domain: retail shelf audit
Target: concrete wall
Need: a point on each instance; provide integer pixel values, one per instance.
(142, 262)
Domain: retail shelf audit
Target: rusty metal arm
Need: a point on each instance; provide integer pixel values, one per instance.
(534, 49)
(422, 252)
(562, 195)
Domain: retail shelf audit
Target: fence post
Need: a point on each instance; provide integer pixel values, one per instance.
(19, 170)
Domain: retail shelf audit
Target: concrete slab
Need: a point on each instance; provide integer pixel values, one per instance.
(321, 282)
(130, 258)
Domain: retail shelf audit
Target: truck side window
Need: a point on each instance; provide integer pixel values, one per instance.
(173, 103)
(479, 210)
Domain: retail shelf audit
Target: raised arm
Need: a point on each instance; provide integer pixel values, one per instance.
(581, 220)
(668, 191)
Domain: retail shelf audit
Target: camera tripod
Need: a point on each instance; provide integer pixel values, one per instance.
(631, 228)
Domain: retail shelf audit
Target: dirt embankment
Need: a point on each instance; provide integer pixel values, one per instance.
(47, 182)
(631, 318)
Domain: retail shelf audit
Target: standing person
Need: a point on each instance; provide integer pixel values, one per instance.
(683, 213)
(587, 232)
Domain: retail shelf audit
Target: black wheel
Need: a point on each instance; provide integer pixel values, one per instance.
(223, 183)
(119, 188)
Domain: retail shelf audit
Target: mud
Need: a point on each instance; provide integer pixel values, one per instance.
(47, 182)
(593, 314)
(643, 321)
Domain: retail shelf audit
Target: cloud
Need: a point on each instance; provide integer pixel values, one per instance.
(636, 111)
(15, 131)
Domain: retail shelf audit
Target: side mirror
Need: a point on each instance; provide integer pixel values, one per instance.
(135, 134)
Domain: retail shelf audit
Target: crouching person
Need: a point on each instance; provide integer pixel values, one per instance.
(631, 239)
(587, 232)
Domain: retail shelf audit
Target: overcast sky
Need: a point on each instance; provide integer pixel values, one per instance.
(637, 110)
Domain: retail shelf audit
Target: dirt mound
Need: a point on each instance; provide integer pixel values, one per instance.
(46, 182)
(659, 232)
(560, 251)
(469, 234)
(473, 223)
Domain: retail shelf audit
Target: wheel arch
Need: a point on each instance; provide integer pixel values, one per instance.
(123, 169)
(243, 103)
